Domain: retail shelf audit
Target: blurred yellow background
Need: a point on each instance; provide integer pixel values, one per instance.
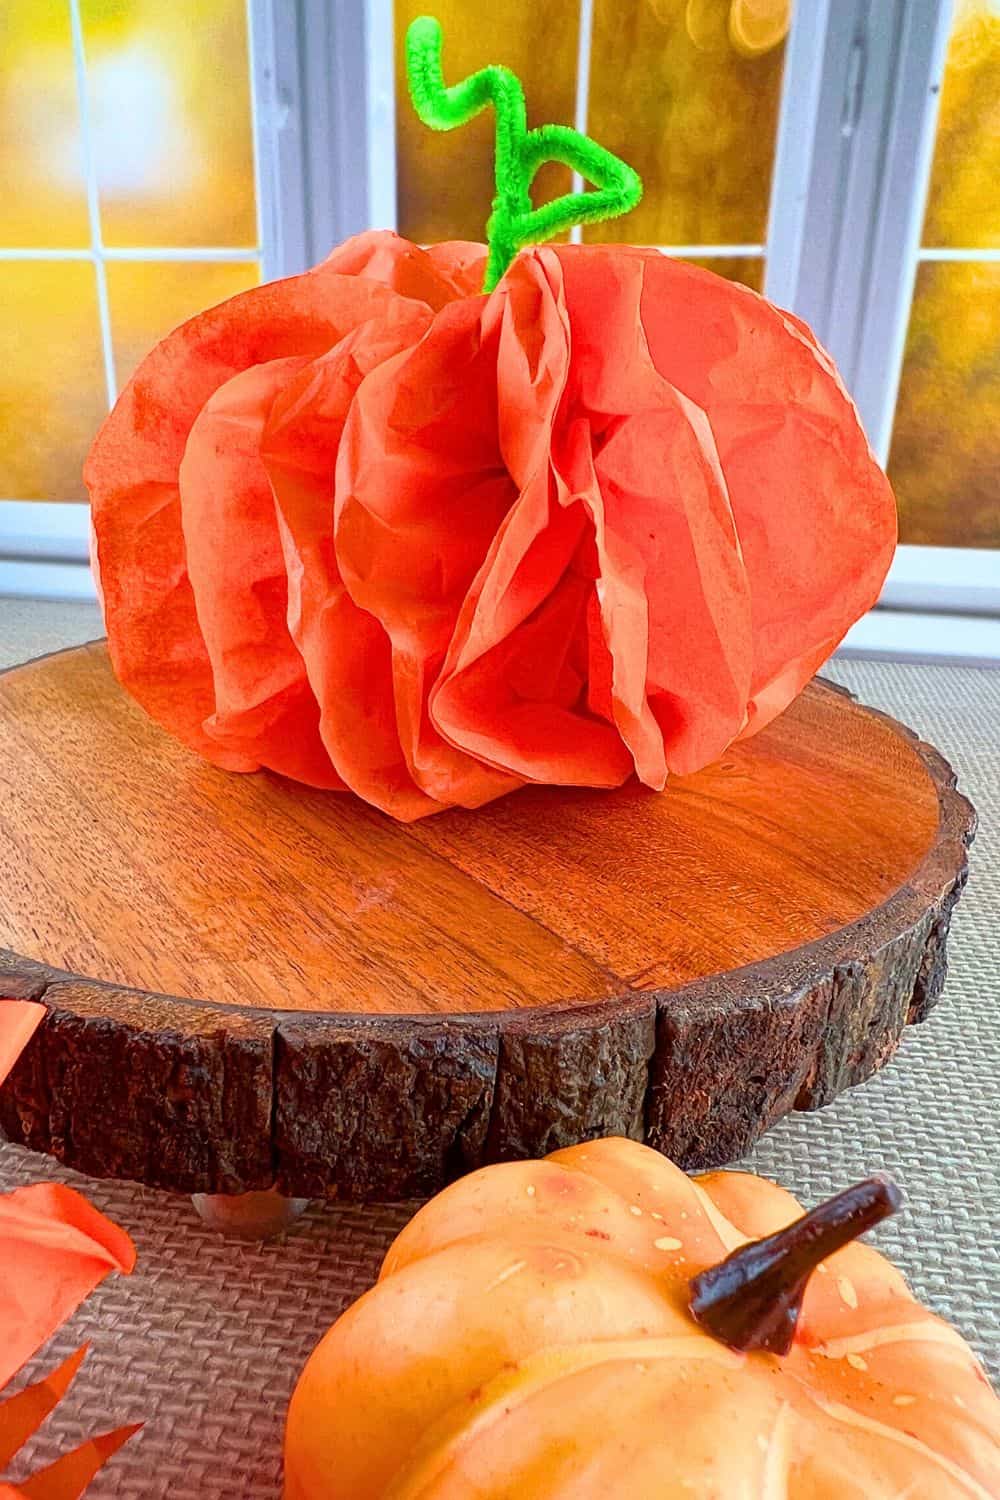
(945, 458)
(173, 159)
(686, 90)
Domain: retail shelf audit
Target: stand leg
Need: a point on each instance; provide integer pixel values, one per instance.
(249, 1216)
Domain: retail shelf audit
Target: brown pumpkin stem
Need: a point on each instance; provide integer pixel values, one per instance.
(752, 1299)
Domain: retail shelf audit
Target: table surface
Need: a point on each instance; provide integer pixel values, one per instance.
(203, 1343)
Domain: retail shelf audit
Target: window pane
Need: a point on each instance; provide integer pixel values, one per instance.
(746, 268)
(687, 91)
(147, 300)
(963, 209)
(945, 458)
(52, 393)
(41, 159)
(169, 87)
(445, 179)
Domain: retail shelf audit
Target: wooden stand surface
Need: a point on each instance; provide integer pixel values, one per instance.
(250, 983)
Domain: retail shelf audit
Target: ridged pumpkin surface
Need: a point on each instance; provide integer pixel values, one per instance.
(529, 1339)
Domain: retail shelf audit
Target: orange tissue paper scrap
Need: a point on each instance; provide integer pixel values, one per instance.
(54, 1250)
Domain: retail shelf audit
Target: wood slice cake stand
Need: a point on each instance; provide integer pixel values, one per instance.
(253, 985)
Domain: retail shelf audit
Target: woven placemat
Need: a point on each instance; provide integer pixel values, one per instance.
(204, 1342)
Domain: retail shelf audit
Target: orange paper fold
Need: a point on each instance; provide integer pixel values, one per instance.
(23, 1414)
(54, 1249)
(19, 1020)
(376, 531)
(68, 1477)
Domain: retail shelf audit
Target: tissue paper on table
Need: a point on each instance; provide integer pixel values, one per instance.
(54, 1250)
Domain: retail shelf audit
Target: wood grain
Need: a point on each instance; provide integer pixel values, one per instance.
(132, 861)
(249, 982)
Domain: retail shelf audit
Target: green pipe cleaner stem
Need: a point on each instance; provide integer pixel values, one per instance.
(520, 152)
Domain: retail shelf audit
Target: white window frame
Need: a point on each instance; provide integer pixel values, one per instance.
(325, 125)
(44, 545)
(852, 171)
(323, 100)
(856, 132)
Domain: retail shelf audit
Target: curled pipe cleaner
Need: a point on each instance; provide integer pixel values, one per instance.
(519, 152)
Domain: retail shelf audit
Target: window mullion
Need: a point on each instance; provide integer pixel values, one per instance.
(324, 125)
(910, 134)
(851, 176)
(795, 149)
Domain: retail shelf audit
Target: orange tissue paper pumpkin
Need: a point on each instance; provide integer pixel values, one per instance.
(599, 1324)
(426, 524)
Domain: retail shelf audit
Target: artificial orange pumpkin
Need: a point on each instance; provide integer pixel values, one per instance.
(531, 1337)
